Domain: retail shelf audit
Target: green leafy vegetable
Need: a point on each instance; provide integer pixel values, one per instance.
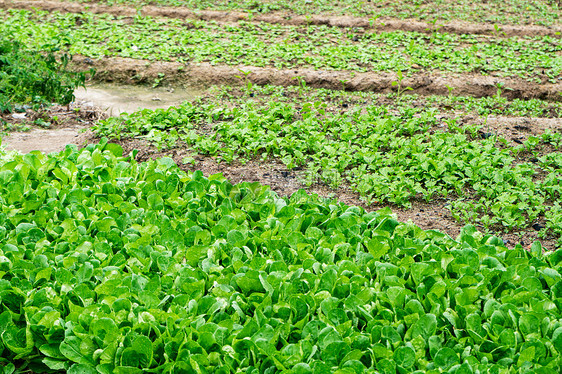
(126, 267)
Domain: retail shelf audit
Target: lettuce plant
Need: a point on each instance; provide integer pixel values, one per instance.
(112, 266)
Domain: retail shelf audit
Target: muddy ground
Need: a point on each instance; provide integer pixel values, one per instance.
(49, 130)
(117, 99)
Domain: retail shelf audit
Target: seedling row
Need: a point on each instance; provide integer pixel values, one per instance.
(244, 43)
(385, 156)
(435, 11)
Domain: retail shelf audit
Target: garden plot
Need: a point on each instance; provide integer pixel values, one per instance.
(115, 260)
(405, 152)
(437, 14)
(331, 57)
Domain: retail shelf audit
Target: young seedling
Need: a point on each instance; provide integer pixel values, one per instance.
(246, 80)
(158, 80)
(343, 82)
(500, 87)
(498, 31)
(434, 30)
(302, 84)
(398, 83)
(373, 22)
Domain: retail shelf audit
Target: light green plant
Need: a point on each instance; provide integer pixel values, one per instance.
(246, 80)
(398, 84)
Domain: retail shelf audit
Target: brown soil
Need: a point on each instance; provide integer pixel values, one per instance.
(518, 129)
(381, 24)
(127, 70)
(117, 99)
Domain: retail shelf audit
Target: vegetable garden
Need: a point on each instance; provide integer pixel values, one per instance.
(413, 223)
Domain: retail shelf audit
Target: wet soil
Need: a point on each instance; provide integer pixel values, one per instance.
(132, 71)
(381, 24)
(116, 99)
(49, 130)
(46, 141)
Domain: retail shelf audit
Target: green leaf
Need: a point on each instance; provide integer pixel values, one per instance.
(527, 355)
(386, 366)
(81, 369)
(425, 327)
(172, 239)
(529, 324)
(115, 149)
(71, 349)
(139, 354)
(155, 202)
(378, 246)
(405, 357)
(446, 357)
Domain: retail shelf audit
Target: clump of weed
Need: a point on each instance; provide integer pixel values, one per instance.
(33, 78)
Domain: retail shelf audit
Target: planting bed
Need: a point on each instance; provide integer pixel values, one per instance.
(389, 199)
(439, 14)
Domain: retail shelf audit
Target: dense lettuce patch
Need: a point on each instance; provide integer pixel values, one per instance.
(113, 266)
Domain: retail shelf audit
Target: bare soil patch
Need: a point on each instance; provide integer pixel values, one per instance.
(116, 99)
(381, 24)
(132, 71)
(62, 125)
(46, 141)
(518, 129)
(51, 129)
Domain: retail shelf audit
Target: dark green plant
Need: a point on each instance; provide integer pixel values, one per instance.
(33, 78)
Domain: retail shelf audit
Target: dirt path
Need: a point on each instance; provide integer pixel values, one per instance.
(116, 99)
(381, 24)
(126, 70)
(62, 125)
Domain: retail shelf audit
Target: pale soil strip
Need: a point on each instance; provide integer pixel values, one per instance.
(128, 70)
(381, 24)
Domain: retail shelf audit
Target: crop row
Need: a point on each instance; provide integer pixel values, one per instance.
(113, 266)
(495, 105)
(318, 47)
(493, 11)
(386, 157)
